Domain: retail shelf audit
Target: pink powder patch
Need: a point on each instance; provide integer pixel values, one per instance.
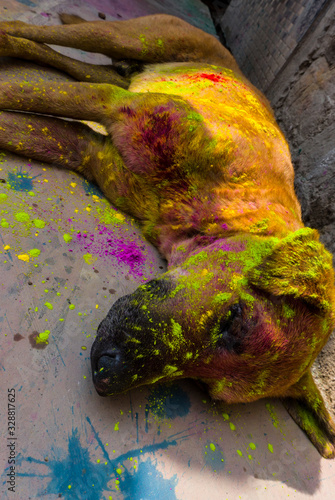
(105, 244)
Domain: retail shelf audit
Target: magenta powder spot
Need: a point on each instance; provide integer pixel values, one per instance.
(105, 244)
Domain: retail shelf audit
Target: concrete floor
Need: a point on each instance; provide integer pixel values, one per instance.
(166, 442)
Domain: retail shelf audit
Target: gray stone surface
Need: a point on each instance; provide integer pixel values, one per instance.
(303, 98)
(262, 34)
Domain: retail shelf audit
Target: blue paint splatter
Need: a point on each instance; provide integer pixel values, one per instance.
(214, 458)
(169, 402)
(21, 181)
(7, 252)
(147, 484)
(29, 3)
(136, 417)
(92, 189)
(73, 475)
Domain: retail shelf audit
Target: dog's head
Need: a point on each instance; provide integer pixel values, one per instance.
(246, 316)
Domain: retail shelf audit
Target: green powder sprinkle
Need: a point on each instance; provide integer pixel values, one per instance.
(39, 223)
(288, 312)
(72, 306)
(89, 259)
(34, 252)
(252, 446)
(195, 116)
(232, 426)
(43, 337)
(196, 259)
(3, 197)
(212, 447)
(116, 426)
(239, 453)
(222, 297)
(67, 237)
(22, 217)
(273, 415)
(176, 328)
(270, 448)
(49, 306)
(4, 223)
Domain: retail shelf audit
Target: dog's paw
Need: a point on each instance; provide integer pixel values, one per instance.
(306, 406)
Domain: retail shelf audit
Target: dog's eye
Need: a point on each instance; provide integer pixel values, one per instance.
(230, 333)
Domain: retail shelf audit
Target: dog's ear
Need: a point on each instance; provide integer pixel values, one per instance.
(298, 266)
(306, 406)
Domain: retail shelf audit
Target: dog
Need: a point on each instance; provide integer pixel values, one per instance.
(194, 153)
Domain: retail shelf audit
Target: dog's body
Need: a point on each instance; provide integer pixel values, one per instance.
(194, 153)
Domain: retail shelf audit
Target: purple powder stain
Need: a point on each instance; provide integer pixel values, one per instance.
(106, 245)
(226, 247)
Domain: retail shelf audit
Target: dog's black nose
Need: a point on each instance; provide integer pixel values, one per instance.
(109, 372)
(109, 364)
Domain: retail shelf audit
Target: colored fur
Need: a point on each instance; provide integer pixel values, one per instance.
(194, 153)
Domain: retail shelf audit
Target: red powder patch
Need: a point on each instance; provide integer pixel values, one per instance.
(213, 77)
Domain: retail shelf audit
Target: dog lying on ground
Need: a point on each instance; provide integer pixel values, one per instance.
(193, 152)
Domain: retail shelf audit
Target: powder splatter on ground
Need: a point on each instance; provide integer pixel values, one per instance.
(214, 457)
(104, 244)
(169, 402)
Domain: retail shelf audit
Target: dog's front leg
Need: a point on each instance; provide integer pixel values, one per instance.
(81, 101)
(75, 146)
(50, 140)
(42, 54)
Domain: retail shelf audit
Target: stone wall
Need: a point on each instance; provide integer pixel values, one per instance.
(303, 97)
(262, 34)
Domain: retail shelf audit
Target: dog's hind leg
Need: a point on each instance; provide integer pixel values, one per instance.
(42, 54)
(157, 38)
